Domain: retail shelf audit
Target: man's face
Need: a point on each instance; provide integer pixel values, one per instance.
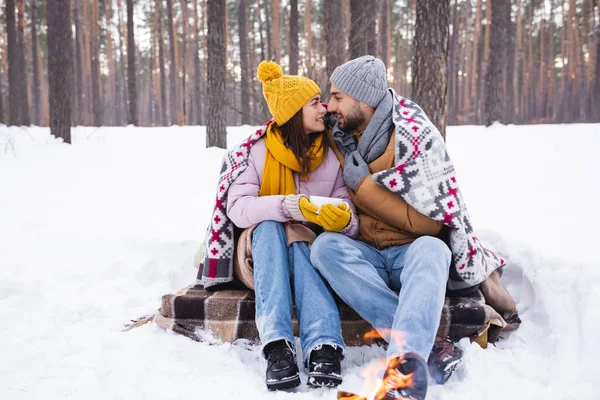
(346, 109)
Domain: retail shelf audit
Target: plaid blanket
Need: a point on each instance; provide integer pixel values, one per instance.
(229, 315)
(424, 177)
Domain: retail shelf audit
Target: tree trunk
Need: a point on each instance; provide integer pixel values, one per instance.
(549, 112)
(308, 33)
(499, 36)
(334, 52)
(112, 68)
(430, 72)
(267, 26)
(518, 70)
(453, 67)
(294, 56)
(95, 44)
(561, 105)
(244, 70)
(23, 95)
(596, 82)
(1, 99)
(184, 58)
(370, 13)
(346, 27)
(173, 66)
(384, 32)
(474, 70)
(14, 116)
(89, 120)
(154, 95)
(161, 62)
(358, 38)
(542, 87)
(37, 100)
(275, 29)
(197, 72)
(578, 99)
(78, 89)
(529, 87)
(216, 47)
(131, 70)
(122, 82)
(486, 62)
(60, 65)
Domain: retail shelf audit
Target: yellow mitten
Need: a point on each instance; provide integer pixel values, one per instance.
(333, 218)
(309, 210)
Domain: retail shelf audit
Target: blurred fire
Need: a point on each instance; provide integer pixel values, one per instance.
(392, 380)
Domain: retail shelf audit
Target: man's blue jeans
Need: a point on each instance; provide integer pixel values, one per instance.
(366, 279)
(276, 269)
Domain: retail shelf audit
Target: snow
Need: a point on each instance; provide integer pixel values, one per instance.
(91, 235)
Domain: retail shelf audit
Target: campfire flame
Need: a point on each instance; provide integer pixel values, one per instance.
(393, 379)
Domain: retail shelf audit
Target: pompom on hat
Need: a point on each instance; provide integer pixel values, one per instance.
(285, 94)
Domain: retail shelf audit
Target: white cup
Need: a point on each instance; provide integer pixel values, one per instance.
(320, 201)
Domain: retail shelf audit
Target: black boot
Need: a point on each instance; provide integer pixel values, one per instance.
(282, 371)
(399, 382)
(443, 360)
(325, 366)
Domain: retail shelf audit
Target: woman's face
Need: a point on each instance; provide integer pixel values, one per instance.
(312, 115)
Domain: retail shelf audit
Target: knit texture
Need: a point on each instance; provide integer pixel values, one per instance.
(424, 176)
(363, 78)
(292, 208)
(285, 94)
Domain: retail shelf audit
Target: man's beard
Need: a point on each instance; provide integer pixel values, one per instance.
(354, 120)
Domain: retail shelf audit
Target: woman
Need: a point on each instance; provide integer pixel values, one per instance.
(292, 161)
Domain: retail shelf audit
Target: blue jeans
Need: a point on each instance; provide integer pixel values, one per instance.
(276, 269)
(366, 279)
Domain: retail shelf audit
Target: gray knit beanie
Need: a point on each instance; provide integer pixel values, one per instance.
(363, 78)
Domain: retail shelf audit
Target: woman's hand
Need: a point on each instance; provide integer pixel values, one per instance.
(309, 210)
(333, 218)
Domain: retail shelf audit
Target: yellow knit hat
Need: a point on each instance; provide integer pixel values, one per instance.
(285, 94)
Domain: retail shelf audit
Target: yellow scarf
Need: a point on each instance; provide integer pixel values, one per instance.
(280, 163)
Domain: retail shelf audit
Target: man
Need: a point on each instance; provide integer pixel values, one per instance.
(397, 249)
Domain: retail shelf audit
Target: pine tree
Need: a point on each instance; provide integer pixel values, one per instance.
(14, 116)
(499, 35)
(37, 96)
(23, 94)
(245, 85)
(131, 69)
(60, 66)
(430, 88)
(334, 53)
(216, 74)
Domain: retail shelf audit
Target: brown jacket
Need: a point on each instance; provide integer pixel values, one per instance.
(385, 219)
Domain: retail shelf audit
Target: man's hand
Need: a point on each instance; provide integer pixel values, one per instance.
(355, 169)
(333, 218)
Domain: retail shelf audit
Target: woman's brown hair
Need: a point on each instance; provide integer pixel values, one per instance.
(296, 139)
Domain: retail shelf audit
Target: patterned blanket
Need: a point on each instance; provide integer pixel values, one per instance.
(228, 315)
(424, 177)
(218, 248)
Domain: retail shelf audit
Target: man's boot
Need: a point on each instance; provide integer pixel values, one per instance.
(443, 360)
(405, 378)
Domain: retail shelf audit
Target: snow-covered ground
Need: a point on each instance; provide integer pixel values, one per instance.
(93, 234)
